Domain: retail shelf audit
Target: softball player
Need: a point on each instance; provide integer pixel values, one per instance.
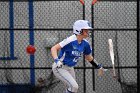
(71, 49)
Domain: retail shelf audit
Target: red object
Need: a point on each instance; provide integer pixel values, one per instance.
(30, 49)
(94, 1)
(82, 2)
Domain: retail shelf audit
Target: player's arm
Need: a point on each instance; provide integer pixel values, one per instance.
(90, 59)
(54, 50)
(57, 47)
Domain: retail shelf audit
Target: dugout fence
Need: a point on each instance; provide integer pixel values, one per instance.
(43, 23)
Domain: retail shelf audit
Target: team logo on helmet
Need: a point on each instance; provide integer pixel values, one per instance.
(89, 24)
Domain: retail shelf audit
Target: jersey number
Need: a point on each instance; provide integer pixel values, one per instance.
(75, 59)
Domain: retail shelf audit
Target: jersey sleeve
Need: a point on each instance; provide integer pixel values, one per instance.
(64, 42)
(87, 49)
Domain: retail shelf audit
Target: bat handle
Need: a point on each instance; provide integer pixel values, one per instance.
(104, 69)
(114, 74)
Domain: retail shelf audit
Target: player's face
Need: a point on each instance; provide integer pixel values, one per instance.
(85, 33)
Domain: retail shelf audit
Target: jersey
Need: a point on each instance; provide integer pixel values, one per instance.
(71, 50)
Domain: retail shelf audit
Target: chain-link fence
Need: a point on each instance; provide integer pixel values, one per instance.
(52, 22)
(125, 49)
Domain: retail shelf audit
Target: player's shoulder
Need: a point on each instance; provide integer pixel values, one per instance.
(68, 40)
(86, 41)
(71, 38)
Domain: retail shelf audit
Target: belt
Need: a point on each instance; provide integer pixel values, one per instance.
(67, 65)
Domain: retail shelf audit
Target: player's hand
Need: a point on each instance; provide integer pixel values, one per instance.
(100, 71)
(59, 64)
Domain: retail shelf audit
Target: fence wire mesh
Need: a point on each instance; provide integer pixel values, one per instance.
(115, 14)
(125, 49)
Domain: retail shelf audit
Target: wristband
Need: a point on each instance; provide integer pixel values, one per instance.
(100, 66)
(96, 65)
(56, 60)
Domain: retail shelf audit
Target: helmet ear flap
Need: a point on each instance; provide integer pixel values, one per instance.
(77, 31)
(80, 32)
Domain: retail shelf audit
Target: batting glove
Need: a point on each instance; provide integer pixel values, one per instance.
(58, 63)
(100, 66)
(101, 70)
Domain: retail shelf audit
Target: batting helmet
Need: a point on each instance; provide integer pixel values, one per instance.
(79, 25)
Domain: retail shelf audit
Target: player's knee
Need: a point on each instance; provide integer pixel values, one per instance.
(75, 87)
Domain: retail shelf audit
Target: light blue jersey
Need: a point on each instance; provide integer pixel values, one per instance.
(71, 50)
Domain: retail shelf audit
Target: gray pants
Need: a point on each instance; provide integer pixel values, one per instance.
(67, 76)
